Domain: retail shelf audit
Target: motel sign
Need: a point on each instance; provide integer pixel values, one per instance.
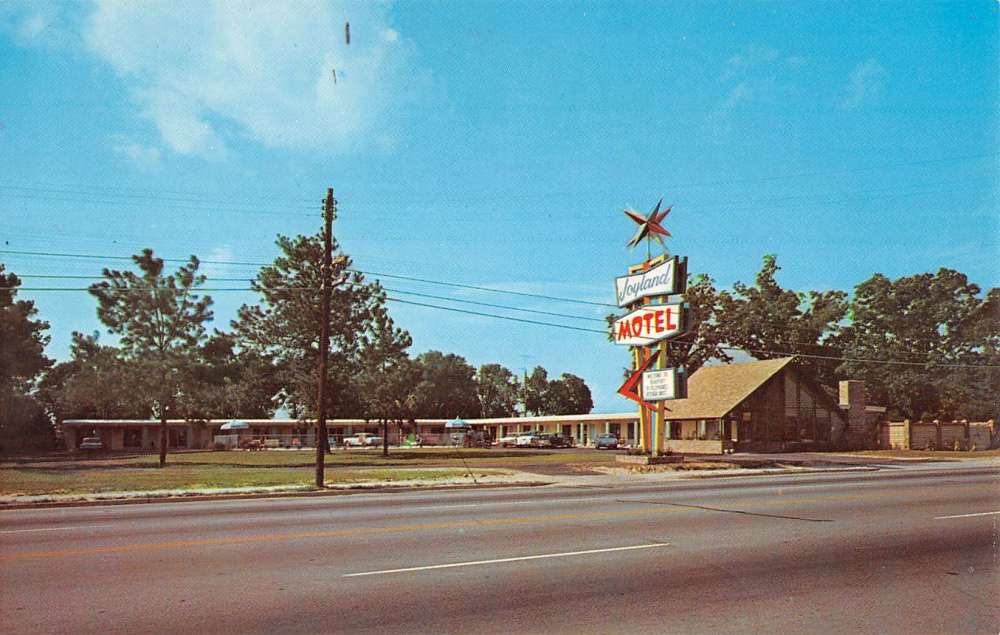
(651, 323)
(652, 293)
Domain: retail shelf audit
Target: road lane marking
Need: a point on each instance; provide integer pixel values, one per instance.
(19, 531)
(335, 533)
(474, 563)
(966, 515)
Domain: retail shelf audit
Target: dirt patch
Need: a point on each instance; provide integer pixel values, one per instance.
(686, 466)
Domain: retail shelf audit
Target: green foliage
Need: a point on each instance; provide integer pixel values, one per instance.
(535, 386)
(568, 395)
(447, 387)
(498, 390)
(704, 337)
(933, 319)
(228, 382)
(22, 338)
(23, 424)
(159, 319)
(768, 321)
(286, 326)
(97, 383)
(388, 378)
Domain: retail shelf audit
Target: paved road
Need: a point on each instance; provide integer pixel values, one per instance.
(912, 550)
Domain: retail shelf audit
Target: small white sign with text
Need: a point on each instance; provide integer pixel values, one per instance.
(658, 385)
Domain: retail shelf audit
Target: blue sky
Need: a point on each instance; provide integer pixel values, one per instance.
(495, 144)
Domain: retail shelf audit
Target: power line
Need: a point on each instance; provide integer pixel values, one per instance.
(859, 360)
(404, 292)
(361, 271)
(389, 289)
(199, 197)
(158, 204)
(480, 288)
(162, 195)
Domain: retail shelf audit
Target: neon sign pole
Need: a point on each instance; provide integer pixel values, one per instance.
(651, 294)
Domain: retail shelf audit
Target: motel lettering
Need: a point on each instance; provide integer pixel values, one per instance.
(651, 323)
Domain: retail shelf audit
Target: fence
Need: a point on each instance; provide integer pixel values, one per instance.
(937, 435)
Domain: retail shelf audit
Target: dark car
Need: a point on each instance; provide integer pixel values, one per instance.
(559, 441)
(606, 442)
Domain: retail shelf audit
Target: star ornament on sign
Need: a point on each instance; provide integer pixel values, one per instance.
(650, 225)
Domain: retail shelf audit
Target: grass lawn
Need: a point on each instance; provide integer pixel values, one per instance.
(197, 469)
(409, 457)
(106, 477)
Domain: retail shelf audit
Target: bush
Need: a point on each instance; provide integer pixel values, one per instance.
(25, 427)
(219, 447)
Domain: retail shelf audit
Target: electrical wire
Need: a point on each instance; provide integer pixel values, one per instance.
(200, 197)
(389, 289)
(414, 293)
(361, 271)
(858, 360)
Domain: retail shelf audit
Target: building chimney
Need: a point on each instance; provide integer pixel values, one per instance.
(852, 402)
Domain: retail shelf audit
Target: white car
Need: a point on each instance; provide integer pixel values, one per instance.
(363, 440)
(507, 441)
(526, 439)
(91, 443)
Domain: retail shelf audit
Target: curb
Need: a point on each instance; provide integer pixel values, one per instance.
(802, 472)
(196, 498)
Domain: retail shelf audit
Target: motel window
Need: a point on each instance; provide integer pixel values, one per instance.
(132, 438)
(708, 429)
(675, 429)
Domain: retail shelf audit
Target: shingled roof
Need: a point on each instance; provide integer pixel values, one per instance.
(713, 391)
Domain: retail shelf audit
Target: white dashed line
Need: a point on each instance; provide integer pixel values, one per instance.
(19, 531)
(966, 515)
(500, 560)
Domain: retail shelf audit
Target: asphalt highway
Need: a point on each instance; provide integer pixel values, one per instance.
(911, 550)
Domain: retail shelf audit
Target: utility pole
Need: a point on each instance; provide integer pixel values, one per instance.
(329, 211)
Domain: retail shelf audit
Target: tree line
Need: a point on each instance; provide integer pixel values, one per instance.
(926, 345)
(166, 364)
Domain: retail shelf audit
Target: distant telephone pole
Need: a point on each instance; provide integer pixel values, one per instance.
(329, 212)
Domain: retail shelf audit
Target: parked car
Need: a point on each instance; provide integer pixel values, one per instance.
(507, 441)
(541, 441)
(363, 440)
(559, 441)
(606, 442)
(91, 444)
(526, 439)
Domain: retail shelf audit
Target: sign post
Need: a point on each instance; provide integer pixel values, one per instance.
(652, 293)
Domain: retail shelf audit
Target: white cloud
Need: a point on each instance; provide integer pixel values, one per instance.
(43, 23)
(204, 72)
(863, 84)
(753, 56)
(748, 78)
(219, 254)
(143, 156)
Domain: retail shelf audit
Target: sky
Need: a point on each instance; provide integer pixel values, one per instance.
(496, 144)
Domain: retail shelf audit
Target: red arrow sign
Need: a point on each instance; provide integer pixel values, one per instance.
(628, 389)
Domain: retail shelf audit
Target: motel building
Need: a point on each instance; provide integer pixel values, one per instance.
(764, 406)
